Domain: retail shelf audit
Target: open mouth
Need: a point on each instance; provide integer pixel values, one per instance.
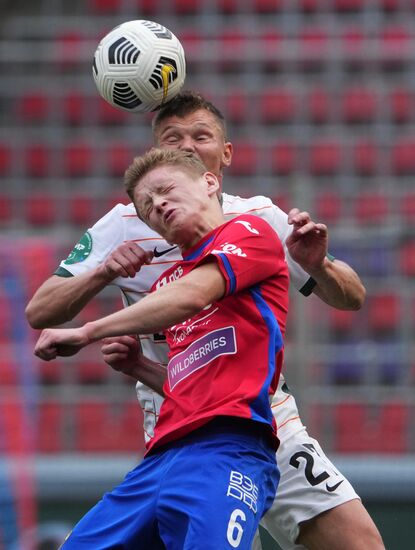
(168, 215)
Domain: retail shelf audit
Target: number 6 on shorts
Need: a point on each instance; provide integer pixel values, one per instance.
(235, 529)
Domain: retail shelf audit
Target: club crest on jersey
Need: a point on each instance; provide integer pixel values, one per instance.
(229, 248)
(81, 250)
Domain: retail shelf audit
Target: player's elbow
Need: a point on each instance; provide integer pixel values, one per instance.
(34, 316)
(358, 298)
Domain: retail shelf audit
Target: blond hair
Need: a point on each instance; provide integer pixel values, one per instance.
(155, 158)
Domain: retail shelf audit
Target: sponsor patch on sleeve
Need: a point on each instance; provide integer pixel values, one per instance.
(81, 250)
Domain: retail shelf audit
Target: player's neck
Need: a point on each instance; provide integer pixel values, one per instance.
(200, 229)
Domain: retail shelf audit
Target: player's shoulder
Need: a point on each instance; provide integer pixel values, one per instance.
(235, 205)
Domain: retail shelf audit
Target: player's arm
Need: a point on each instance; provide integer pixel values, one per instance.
(337, 283)
(170, 305)
(123, 354)
(60, 299)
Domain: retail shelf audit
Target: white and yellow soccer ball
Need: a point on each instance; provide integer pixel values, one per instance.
(138, 66)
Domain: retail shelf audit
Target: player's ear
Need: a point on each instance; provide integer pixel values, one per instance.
(227, 154)
(212, 182)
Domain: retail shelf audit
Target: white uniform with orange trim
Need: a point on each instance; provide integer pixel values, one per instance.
(309, 483)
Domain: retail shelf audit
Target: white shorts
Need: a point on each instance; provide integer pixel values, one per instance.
(309, 485)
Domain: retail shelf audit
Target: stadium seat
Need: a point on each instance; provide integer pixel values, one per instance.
(237, 107)
(106, 427)
(354, 48)
(92, 371)
(313, 48)
(104, 7)
(68, 50)
(108, 115)
(282, 200)
(74, 108)
(8, 368)
(383, 313)
(341, 322)
(401, 105)
(380, 430)
(309, 6)
(328, 207)
(50, 427)
(41, 209)
(318, 106)
(371, 208)
(78, 159)
(324, 157)
(232, 44)
(277, 106)
(267, 6)
(407, 207)
(365, 158)
(358, 106)
(283, 158)
(187, 7)
(347, 6)
(5, 159)
(403, 157)
(50, 372)
(395, 48)
(6, 209)
(245, 159)
(192, 42)
(118, 157)
(80, 209)
(37, 161)
(33, 107)
(148, 7)
(406, 258)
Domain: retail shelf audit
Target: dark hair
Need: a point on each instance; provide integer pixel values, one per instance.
(185, 103)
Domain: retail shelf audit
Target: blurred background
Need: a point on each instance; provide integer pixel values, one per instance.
(319, 97)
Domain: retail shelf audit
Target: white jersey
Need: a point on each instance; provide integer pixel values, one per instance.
(121, 224)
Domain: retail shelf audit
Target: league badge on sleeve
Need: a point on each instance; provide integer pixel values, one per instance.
(81, 250)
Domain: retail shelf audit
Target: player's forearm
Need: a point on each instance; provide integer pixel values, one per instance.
(170, 305)
(339, 285)
(60, 299)
(150, 373)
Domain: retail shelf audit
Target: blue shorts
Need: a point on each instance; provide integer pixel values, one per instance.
(208, 490)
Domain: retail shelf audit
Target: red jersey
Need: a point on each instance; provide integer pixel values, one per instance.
(226, 360)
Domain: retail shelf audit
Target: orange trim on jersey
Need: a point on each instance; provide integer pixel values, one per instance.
(286, 422)
(148, 435)
(149, 412)
(142, 240)
(247, 211)
(281, 402)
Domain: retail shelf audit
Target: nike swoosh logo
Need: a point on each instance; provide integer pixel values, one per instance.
(157, 253)
(332, 488)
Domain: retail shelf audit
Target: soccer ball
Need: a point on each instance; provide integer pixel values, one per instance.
(138, 66)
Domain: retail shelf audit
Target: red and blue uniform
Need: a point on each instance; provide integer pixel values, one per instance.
(210, 473)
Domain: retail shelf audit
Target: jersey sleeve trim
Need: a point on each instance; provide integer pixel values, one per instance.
(229, 272)
(62, 272)
(307, 289)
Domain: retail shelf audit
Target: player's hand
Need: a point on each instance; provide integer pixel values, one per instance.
(55, 342)
(125, 261)
(308, 241)
(121, 354)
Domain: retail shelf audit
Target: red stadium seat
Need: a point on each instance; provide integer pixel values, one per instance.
(33, 107)
(41, 209)
(245, 159)
(118, 157)
(325, 157)
(395, 48)
(407, 207)
(37, 160)
(227, 7)
(6, 209)
(406, 257)
(371, 208)
(318, 106)
(93, 371)
(50, 372)
(267, 6)
(68, 50)
(341, 321)
(328, 207)
(102, 427)
(310, 6)
(401, 105)
(109, 115)
(359, 429)
(314, 48)
(186, 7)
(78, 159)
(359, 105)
(81, 208)
(348, 5)
(384, 312)
(74, 108)
(277, 106)
(50, 432)
(365, 158)
(283, 158)
(147, 7)
(232, 45)
(5, 159)
(103, 7)
(237, 107)
(353, 42)
(403, 157)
